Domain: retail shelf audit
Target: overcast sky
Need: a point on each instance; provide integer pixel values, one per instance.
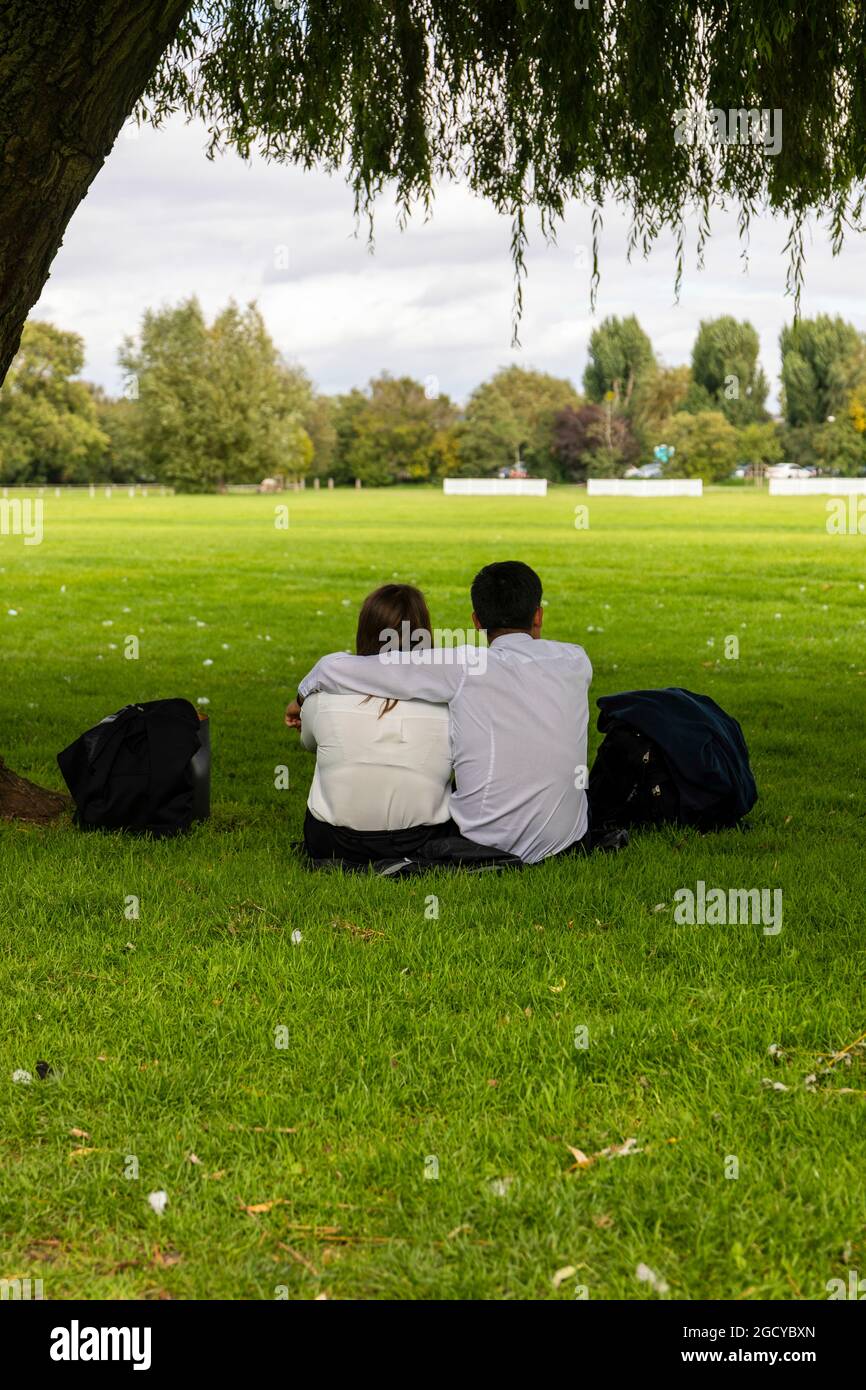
(162, 222)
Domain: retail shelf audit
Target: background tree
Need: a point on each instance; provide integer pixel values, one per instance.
(346, 412)
(838, 448)
(760, 443)
(658, 395)
(707, 446)
(216, 404)
(620, 357)
(822, 360)
(592, 441)
(49, 425)
(510, 419)
(726, 370)
(124, 460)
(318, 421)
(397, 433)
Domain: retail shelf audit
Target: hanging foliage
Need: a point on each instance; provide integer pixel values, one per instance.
(664, 106)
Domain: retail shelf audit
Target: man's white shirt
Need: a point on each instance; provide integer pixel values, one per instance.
(519, 712)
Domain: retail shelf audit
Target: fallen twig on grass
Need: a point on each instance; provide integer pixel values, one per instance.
(837, 1056)
(300, 1259)
(360, 933)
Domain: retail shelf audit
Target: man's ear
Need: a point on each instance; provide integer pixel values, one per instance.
(538, 620)
(477, 623)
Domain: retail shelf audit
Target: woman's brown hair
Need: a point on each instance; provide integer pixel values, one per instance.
(392, 618)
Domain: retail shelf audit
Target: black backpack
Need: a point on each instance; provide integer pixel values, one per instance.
(134, 770)
(630, 783)
(669, 756)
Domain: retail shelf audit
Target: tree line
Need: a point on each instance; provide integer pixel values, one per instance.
(205, 405)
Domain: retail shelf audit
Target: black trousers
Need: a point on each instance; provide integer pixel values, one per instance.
(324, 841)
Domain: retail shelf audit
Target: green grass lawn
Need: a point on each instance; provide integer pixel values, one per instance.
(417, 1042)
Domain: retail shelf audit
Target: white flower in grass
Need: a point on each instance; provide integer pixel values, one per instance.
(108, 623)
(499, 1186)
(648, 1276)
(63, 588)
(202, 700)
(158, 1201)
(21, 1077)
(225, 646)
(346, 602)
(297, 938)
(13, 612)
(207, 661)
(200, 624)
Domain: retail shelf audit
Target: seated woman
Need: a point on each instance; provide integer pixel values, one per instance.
(383, 767)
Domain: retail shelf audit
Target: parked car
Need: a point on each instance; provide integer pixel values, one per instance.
(789, 470)
(646, 470)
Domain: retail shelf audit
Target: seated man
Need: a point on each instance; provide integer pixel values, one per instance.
(518, 714)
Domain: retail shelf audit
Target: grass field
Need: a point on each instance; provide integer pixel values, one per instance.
(417, 1042)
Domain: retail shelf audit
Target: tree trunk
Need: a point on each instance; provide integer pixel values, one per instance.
(23, 800)
(71, 71)
(70, 74)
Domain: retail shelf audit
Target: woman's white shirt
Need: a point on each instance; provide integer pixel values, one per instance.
(374, 773)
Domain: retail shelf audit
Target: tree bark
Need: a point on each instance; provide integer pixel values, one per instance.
(70, 74)
(23, 800)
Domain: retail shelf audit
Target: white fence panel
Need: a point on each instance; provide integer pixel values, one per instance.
(816, 487)
(645, 487)
(494, 487)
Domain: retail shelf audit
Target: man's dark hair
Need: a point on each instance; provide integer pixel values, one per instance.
(506, 595)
